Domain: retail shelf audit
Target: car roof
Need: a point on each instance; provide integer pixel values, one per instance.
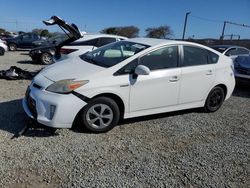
(226, 46)
(159, 42)
(89, 36)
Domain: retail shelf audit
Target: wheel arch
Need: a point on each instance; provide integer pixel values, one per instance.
(224, 87)
(116, 98)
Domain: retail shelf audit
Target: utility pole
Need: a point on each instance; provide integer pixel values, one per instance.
(223, 30)
(185, 24)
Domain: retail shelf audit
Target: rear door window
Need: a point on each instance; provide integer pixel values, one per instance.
(163, 58)
(194, 56)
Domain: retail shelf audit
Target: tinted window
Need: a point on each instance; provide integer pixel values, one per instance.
(92, 42)
(104, 41)
(26, 36)
(161, 59)
(232, 51)
(194, 56)
(241, 51)
(212, 57)
(127, 69)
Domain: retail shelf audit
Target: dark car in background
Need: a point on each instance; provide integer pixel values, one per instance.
(47, 49)
(23, 41)
(242, 67)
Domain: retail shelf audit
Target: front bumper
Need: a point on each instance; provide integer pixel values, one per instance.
(51, 109)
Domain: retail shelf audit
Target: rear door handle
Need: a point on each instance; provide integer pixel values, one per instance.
(209, 72)
(174, 79)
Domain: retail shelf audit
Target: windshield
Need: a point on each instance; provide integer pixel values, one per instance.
(113, 53)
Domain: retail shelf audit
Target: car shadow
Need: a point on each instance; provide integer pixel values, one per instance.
(24, 53)
(26, 62)
(13, 120)
(79, 128)
(242, 88)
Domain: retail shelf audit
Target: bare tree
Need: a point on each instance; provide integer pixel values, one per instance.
(127, 31)
(161, 32)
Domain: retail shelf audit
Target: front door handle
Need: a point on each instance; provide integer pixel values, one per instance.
(174, 79)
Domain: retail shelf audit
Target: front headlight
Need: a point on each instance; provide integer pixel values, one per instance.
(66, 86)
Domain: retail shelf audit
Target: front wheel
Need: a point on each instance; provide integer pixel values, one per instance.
(100, 114)
(215, 99)
(12, 47)
(46, 59)
(2, 51)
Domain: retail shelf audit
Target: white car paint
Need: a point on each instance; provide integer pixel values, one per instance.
(81, 49)
(162, 90)
(3, 45)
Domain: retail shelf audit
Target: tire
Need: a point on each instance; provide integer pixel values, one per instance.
(46, 58)
(215, 99)
(2, 51)
(100, 115)
(12, 47)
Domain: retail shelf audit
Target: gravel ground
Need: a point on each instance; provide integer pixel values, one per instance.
(184, 149)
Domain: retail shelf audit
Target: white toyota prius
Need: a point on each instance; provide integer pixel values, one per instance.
(130, 78)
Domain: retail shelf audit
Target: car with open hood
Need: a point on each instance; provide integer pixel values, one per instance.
(129, 78)
(45, 54)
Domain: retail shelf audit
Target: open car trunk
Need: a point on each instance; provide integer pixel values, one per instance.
(73, 32)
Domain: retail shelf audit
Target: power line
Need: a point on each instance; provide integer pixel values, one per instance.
(207, 19)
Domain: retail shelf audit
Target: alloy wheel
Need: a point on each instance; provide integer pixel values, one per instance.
(99, 116)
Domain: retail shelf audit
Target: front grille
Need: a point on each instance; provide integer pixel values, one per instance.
(31, 103)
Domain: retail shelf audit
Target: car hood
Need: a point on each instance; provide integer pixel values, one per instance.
(243, 61)
(71, 28)
(73, 68)
(74, 32)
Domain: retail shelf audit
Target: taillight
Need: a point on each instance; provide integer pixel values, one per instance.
(67, 51)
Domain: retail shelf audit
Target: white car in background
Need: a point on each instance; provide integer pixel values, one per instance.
(3, 47)
(87, 43)
(129, 78)
(232, 51)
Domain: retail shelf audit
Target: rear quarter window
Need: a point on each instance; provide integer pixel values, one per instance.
(198, 56)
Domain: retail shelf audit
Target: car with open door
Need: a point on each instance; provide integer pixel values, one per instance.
(129, 78)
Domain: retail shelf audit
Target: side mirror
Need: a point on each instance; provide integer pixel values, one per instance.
(142, 70)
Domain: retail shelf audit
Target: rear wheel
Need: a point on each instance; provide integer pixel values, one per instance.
(214, 99)
(12, 47)
(46, 58)
(2, 51)
(100, 114)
